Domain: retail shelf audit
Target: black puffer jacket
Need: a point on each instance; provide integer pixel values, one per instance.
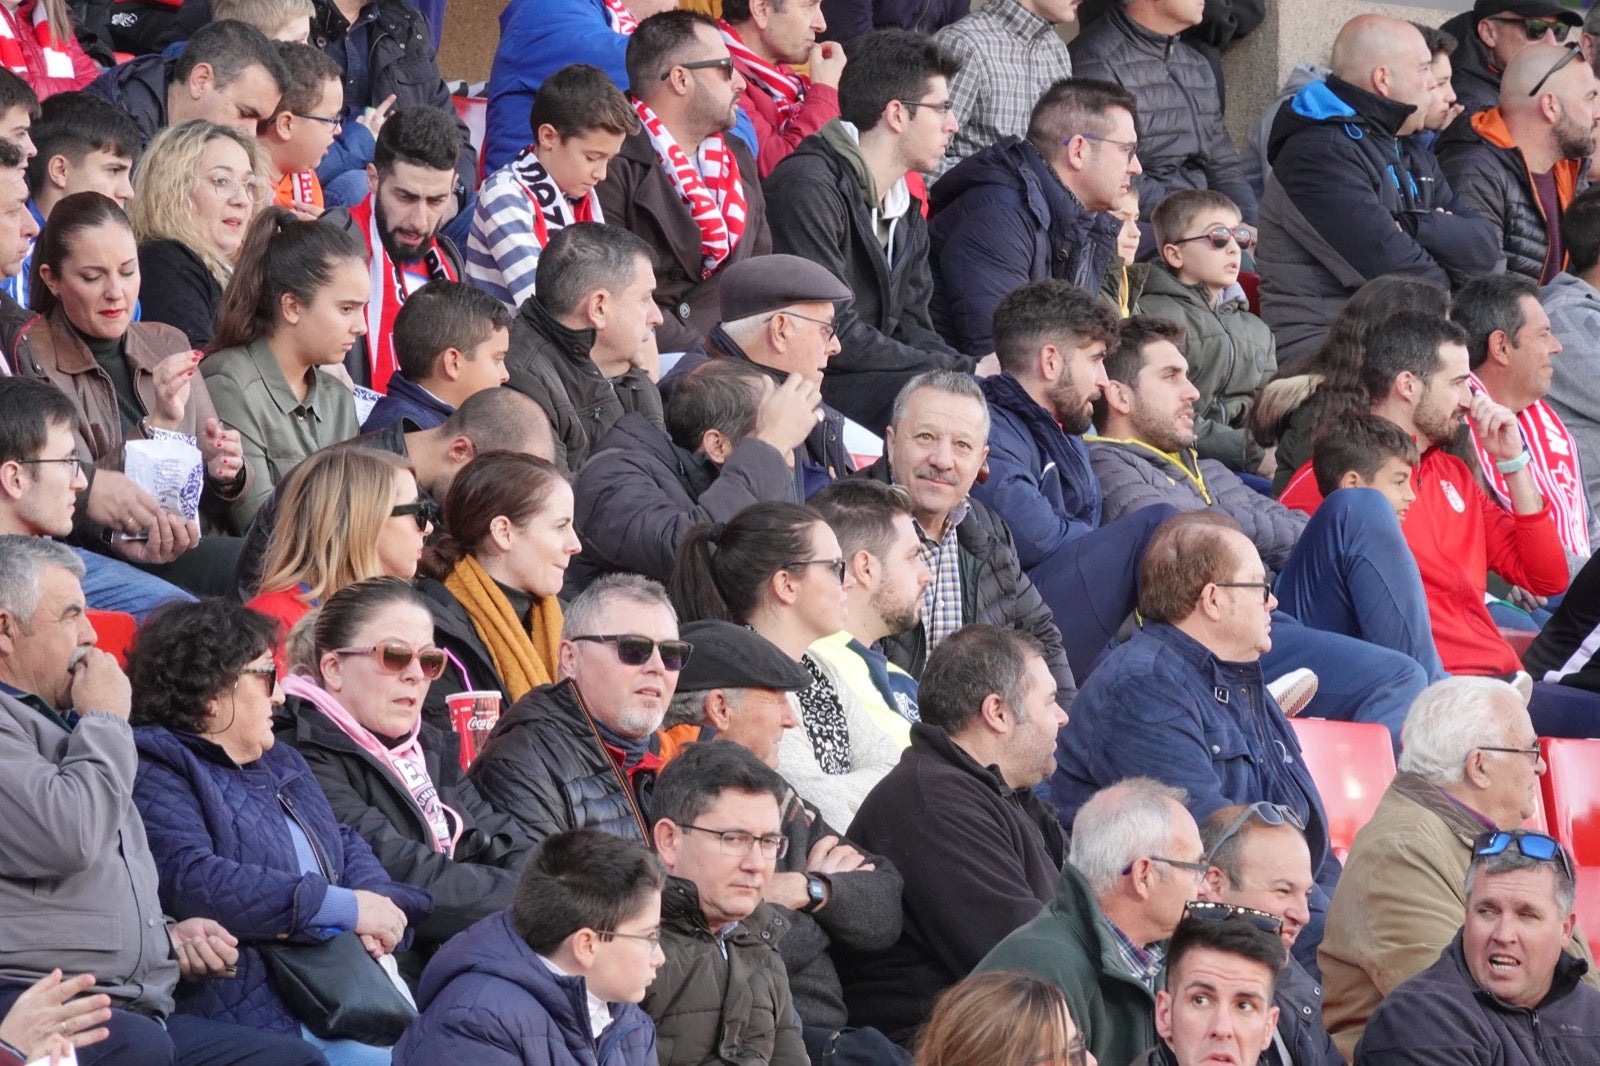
(546, 766)
(1476, 83)
(1183, 143)
(994, 591)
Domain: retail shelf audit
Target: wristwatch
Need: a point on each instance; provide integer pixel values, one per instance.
(816, 892)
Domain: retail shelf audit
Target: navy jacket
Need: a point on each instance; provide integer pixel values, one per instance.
(487, 999)
(138, 88)
(1001, 218)
(407, 399)
(223, 851)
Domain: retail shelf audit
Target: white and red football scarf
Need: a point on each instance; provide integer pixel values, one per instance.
(787, 87)
(1555, 469)
(389, 292)
(552, 210)
(57, 60)
(711, 191)
(621, 19)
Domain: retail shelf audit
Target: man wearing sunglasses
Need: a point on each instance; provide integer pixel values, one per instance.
(1505, 990)
(1520, 163)
(1492, 35)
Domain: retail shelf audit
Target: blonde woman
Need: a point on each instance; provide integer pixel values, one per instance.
(194, 194)
(38, 45)
(1002, 1019)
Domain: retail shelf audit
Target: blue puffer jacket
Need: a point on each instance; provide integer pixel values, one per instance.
(487, 999)
(223, 851)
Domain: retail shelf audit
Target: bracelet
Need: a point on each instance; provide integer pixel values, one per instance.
(1511, 466)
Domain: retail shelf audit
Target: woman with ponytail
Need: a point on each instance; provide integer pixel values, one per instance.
(296, 302)
(491, 581)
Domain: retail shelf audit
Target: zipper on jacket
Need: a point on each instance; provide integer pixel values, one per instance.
(316, 849)
(622, 778)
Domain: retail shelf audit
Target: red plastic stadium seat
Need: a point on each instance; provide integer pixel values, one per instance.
(1352, 764)
(474, 111)
(113, 632)
(1251, 284)
(1572, 796)
(1588, 906)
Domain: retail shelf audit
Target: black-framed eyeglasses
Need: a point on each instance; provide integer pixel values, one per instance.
(836, 565)
(269, 673)
(424, 512)
(725, 64)
(944, 107)
(1540, 847)
(828, 328)
(1129, 148)
(1219, 236)
(1077, 1050)
(1273, 814)
(635, 650)
(738, 842)
(395, 658)
(1533, 752)
(1196, 868)
(73, 460)
(334, 122)
(1264, 586)
(1208, 911)
(1535, 28)
(652, 939)
(1572, 53)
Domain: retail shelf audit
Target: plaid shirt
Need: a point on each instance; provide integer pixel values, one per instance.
(941, 599)
(1009, 57)
(1144, 964)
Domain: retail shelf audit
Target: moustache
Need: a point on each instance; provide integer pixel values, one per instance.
(941, 476)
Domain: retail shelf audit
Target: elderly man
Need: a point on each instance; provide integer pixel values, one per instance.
(768, 39)
(935, 448)
(1492, 34)
(1217, 1003)
(980, 853)
(735, 688)
(778, 313)
(580, 752)
(1350, 199)
(72, 852)
(1136, 859)
(1185, 702)
(1520, 163)
(1471, 761)
(1505, 990)
(1260, 867)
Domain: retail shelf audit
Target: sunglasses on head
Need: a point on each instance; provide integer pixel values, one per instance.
(1269, 813)
(635, 650)
(424, 512)
(1572, 53)
(395, 658)
(1207, 911)
(1532, 845)
(1219, 236)
(1536, 28)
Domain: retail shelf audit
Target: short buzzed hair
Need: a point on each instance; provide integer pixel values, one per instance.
(660, 42)
(229, 48)
(861, 513)
(972, 664)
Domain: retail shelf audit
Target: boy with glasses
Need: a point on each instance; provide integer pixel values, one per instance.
(299, 133)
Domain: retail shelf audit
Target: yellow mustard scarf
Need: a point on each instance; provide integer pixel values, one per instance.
(524, 657)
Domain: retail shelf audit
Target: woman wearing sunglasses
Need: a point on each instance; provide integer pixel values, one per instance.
(1002, 1019)
(358, 514)
(361, 669)
(492, 579)
(778, 568)
(240, 831)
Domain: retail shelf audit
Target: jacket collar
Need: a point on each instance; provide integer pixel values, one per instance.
(1569, 972)
(1017, 20)
(1186, 462)
(1147, 39)
(1075, 903)
(73, 356)
(680, 910)
(1203, 660)
(938, 744)
(1464, 823)
(575, 344)
(1388, 115)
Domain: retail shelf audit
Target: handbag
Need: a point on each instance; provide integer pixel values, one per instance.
(338, 990)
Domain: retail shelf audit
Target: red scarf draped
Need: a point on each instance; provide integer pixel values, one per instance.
(712, 191)
(787, 87)
(621, 19)
(389, 292)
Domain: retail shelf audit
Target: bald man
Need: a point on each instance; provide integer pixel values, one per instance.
(1518, 164)
(1491, 36)
(1352, 196)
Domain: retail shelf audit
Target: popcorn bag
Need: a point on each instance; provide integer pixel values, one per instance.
(171, 469)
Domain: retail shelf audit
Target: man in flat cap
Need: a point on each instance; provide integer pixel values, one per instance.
(778, 313)
(736, 688)
(1492, 34)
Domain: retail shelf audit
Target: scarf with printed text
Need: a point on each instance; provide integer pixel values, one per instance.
(621, 19)
(552, 211)
(389, 291)
(711, 190)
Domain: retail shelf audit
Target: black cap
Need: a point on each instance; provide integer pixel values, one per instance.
(767, 282)
(731, 656)
(1532, 9)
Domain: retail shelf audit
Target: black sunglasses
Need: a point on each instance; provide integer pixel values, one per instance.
(1219, 236)
(1535, 28)
(424, 512)
(635, 650)
(1534, 845)
(1207, 911)
(268, 673)
(1572, 53)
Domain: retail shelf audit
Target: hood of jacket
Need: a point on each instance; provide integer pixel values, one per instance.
(1014, 163)
(1336, 102)
(1080, 488)
(1565, 290)
(1161, 281)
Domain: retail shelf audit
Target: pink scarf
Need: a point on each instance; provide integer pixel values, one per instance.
(711, 191)
(406, 761)
(786, 87)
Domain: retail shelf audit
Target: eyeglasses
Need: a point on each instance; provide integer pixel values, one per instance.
(1269, 813)
(944, 107)
(1219, 236)
(1195, 868)
(395, 658)
(652, 939)
(1535, 28)
(725, 64)
(1264, 586)
(74, 461)
(1129, 148)
(1077, 1053)
(1533, 845)
(1207, 911)
(836, 565)
(635, 650)
(1533, 752)
(425, 512)
(738, 842)
(268, 672)
(334, 122)
(1572, 53)
(828, 328)
(225, 186)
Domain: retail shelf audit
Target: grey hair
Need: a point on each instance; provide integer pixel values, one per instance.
(584, 614)
(747, 332)
(22, 561)
(1512, 859)
(954, 382)
(1450, 719)
(1120, 824)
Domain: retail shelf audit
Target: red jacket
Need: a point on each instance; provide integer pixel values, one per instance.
(1458, 534)
(821, 106)
(38, 76)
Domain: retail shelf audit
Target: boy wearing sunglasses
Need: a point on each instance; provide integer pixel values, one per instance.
(1231, 352)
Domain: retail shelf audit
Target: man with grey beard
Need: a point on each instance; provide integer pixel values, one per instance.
(1519, 164)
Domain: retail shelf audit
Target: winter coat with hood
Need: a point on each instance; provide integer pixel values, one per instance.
(488, 999)
(1349, 201)
(1472, 74)
(1254, 157)
(1002, 218)
(1491, 176)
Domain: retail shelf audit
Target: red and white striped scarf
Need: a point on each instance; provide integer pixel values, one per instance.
(389, 292)
(1555, 471)
(621, 19)
(787, 87)
(57, 60)
(552, 210)
(712, 191)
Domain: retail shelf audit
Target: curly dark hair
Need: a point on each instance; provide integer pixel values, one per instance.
(187, 653)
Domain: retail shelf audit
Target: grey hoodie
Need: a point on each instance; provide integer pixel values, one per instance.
(1574, 309)
(1254, 156)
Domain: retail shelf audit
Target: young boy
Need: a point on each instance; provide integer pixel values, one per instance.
(280, 20)
(297, 136)
(579, 119)
(1366, 452)
(450, 340)
(556, 978)
(1231, 352)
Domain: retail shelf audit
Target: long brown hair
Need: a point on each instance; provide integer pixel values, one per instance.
(70, 217)
(281, 254)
